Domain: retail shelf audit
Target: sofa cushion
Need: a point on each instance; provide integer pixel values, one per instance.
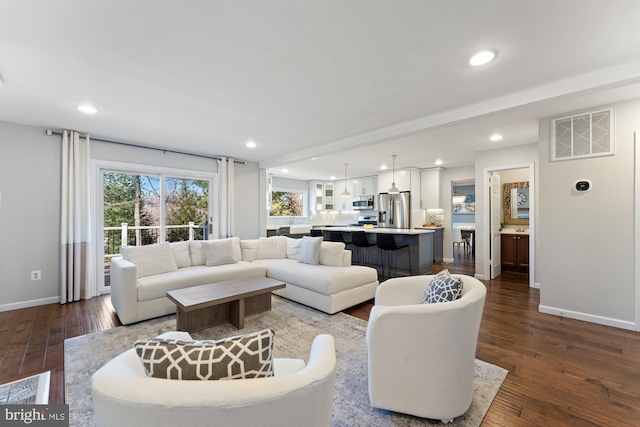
(272, 247)
(323, 279)
(218, 252)
(293, 248)
(310, 250)
(197, 252)
(249, 249)
(181, 254)
(331, 253)
(153, 287)
(150, 259)
(240, 357)
(442, 288)
(198, 256)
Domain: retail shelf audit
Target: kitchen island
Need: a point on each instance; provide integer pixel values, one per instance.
(420, 256)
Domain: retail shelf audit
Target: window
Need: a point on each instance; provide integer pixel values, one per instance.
(146, 207)
(582, 135)
(288, 203)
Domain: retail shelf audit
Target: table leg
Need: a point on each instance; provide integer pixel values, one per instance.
(236, 313)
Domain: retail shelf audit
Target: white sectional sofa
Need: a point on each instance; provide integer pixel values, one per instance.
(142, 276)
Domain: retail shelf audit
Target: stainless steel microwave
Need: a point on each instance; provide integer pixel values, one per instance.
(363, 203)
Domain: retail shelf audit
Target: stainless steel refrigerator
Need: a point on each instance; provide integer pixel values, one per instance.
(394, 210)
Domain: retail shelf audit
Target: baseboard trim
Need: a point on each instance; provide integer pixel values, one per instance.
(480, 276)
(30, 303)
(447, 260)
(592, 318)
(536, 285)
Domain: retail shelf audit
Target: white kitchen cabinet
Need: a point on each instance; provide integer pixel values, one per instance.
(402, 180)
(329, 196)
(343, 203)
(430, 188)
(365, 186)
(316, 196)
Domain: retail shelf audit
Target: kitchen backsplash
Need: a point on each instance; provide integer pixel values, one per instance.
(322, 218)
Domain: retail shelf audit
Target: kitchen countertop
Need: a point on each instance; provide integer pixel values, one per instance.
(430, 227)
(408, 231)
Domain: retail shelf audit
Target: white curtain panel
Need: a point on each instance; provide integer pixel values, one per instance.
(77, 261)
(226, 196)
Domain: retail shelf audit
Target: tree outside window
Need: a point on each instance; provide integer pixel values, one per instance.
(286, 203)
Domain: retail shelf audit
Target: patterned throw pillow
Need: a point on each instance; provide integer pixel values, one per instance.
(442, 288)
(240, 357)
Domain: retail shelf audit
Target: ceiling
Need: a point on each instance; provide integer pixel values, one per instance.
(347, 82)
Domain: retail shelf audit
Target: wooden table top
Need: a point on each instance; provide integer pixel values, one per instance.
(210, 294)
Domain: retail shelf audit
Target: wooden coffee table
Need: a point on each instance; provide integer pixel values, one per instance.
(204, 306)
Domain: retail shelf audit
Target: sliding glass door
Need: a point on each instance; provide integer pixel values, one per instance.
(145, 208)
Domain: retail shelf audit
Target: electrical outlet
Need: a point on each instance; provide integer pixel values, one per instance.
(36, 275)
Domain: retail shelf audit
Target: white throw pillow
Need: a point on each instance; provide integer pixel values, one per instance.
(274, 247)
(150, 259)
(218, 252)
(293, 247)
(310, 250)
(331, 254)
(197, 253)
(181, 254)
(249, 249)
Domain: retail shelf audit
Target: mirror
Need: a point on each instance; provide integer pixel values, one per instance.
(514, 213)
(519, 203)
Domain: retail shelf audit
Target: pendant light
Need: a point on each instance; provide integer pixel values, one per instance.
(393, 189)
(345, 193)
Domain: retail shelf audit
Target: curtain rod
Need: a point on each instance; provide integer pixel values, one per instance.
(164, 150)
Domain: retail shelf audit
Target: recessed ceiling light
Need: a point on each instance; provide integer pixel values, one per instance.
(313, 158)
(495, 137)
(87, 109)
(250, 144)
(438, 162)
(383, 167)
(482, 58)
(332, 177)
(285, 170)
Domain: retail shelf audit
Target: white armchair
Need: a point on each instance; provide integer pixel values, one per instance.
(421, 356)
(297, 393)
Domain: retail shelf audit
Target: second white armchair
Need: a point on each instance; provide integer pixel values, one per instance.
(421, 356)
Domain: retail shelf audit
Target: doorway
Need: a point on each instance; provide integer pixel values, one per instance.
(510, 221)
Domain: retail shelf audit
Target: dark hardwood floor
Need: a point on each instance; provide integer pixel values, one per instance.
(561, 371)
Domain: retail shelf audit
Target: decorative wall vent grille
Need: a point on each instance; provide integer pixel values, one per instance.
(582, 135)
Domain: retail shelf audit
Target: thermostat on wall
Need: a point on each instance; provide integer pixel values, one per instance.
(583, 185)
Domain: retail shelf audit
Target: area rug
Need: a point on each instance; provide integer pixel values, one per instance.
(295, 326)
(33, 390)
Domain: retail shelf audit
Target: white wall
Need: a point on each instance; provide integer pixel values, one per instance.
(289, 184)
(29, 215)
(586, 245)
(490, 160)
(448, 176)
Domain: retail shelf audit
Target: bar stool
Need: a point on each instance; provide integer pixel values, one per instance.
(359, 240)
(387, 242)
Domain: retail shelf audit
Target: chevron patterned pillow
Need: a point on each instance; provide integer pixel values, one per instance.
(442, 288)
(239, 357)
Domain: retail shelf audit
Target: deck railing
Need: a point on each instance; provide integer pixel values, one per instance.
(125, 235)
